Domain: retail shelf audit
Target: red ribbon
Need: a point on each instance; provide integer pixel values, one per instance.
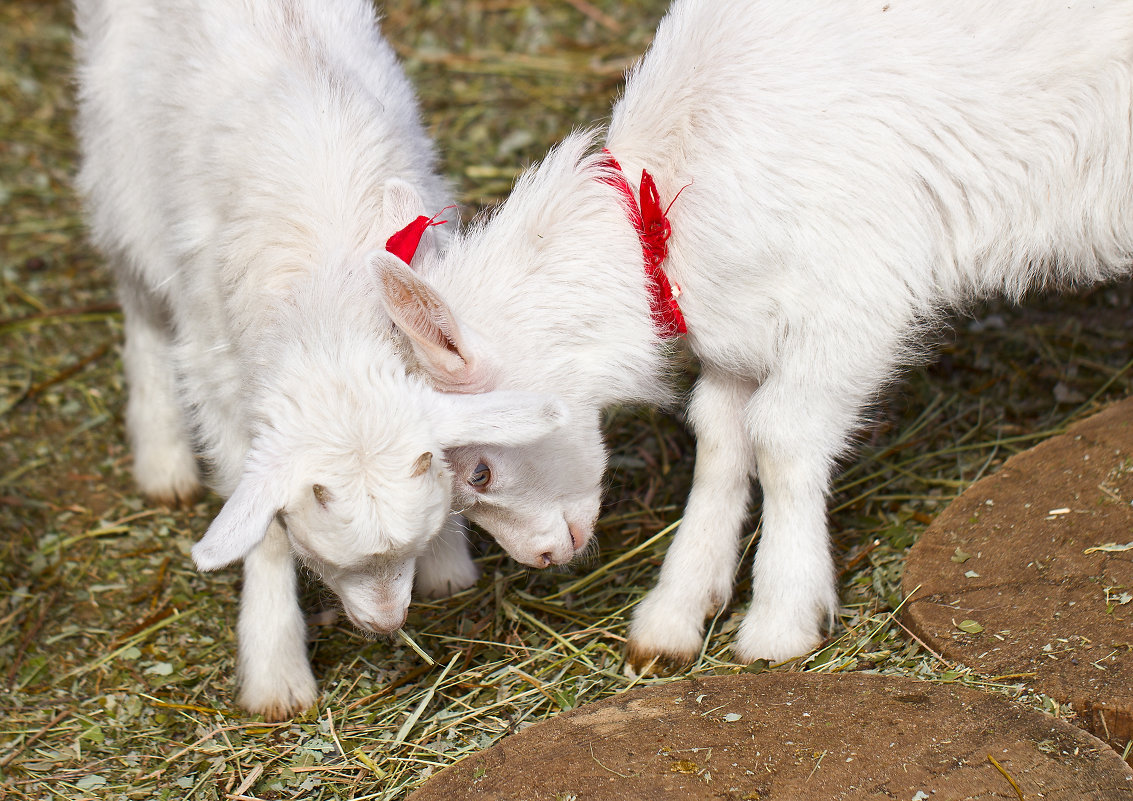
(405, 242)
(653, 229)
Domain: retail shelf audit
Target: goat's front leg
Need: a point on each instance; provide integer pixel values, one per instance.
(165, 468)
(697, 575)
(446, 567)
(275, 673)
(799, 428)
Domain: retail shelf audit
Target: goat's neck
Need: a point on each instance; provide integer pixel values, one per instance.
(556, 281)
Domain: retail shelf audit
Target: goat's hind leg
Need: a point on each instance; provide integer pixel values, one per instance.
(165, 467)
(697, 575)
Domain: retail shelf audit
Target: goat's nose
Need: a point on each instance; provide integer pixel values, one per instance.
(387, 624)
(379, 621)
(544, 560)
(580, 535)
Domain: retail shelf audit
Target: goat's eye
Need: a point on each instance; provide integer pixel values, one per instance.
(322, 494)
(480, 476)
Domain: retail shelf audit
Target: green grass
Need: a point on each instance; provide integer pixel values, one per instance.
(117, 658)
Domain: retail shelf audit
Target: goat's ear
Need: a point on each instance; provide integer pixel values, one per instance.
(241, 525)
(419, 312)
(504, 418)
(401, 204)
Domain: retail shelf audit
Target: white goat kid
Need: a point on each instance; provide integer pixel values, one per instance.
(849, 170)
(240, 162)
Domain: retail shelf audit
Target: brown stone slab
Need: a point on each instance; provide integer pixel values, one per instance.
(1013, 554)
(792, 737)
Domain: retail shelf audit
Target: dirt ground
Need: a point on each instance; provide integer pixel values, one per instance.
(776, 737)
(1029, 572)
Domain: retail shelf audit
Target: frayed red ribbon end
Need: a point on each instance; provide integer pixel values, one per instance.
(405, 242)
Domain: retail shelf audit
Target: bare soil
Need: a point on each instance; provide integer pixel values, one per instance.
(1029, 573)
(774, 737)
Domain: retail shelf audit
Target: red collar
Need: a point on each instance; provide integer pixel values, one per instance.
(653, 229)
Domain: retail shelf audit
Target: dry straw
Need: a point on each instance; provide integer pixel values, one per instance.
(116, 658)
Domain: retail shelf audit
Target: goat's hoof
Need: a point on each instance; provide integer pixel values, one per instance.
(642, 660)
(175, 497)
(760, 639)
(176, 485)
(666, 634)
(282, 702)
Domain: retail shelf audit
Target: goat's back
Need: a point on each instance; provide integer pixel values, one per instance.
(943, 150)
(214, 130)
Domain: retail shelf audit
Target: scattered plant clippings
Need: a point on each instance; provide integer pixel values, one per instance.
(118, 658)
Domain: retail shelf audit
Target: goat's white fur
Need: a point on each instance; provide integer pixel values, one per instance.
(850, 170)
(241, 160)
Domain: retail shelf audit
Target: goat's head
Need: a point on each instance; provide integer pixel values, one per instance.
(538, 500)
(362, 488)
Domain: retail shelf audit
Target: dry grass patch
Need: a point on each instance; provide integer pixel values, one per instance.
(117, 658)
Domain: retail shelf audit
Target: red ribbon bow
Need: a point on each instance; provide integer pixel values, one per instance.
(405, 242)
(653, 229)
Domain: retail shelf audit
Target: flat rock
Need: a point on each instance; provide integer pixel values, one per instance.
(1029, 573)
(792, 737)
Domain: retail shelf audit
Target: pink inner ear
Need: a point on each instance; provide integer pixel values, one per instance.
(428, 322)
(419, 313)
